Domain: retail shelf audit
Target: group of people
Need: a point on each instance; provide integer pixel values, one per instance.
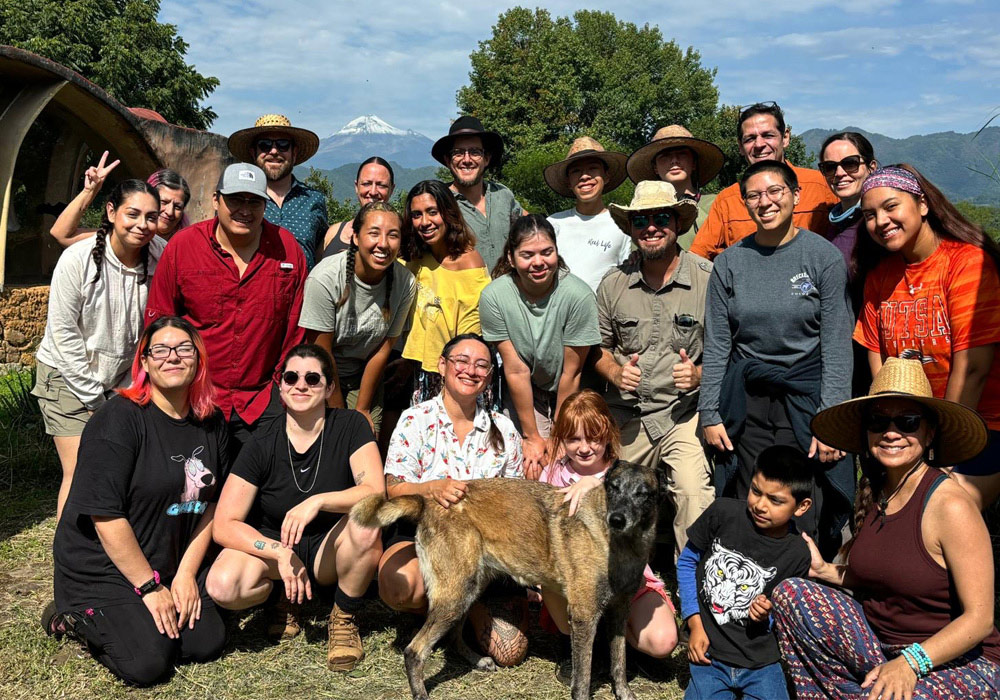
(222, 393)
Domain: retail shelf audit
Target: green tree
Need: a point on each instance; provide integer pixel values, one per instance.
(336, 209)
(119, 45)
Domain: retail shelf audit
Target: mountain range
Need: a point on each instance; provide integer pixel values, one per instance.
(367, 136)
(948, 159)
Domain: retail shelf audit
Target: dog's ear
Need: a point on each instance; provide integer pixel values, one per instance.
(662, 484)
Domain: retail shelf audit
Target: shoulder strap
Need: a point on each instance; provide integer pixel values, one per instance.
(938, 480)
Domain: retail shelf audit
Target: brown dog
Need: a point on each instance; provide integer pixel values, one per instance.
(522, 528)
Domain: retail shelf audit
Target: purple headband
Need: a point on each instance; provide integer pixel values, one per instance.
(896, 178)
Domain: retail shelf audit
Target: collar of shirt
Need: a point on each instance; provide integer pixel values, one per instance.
(481, 422)
(681, 276)
(269, 247)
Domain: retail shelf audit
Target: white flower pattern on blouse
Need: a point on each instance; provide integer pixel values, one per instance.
(424, 447)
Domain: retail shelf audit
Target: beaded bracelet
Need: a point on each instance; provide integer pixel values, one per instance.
(919, 656)
(911, 661)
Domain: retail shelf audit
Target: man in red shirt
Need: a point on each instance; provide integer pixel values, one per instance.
(238, 279)
(762, 135)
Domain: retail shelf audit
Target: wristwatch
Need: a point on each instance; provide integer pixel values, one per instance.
(149, 585)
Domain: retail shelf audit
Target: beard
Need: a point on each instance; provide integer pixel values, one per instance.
(275, 170)
(656, 253)
(469, 182)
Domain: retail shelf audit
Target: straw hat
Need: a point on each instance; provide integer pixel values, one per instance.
(242, 142)
(710, 159)
(557, 174)
(468, 126)
(653, 195)
(961, 432)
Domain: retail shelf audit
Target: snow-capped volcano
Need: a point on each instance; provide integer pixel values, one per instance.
(368, 135)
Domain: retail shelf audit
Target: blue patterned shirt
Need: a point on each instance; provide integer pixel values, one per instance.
(303, 213)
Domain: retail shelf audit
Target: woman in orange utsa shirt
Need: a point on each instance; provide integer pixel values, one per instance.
(935, 298)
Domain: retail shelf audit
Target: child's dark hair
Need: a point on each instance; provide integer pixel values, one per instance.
(122, 191)
(788, 466)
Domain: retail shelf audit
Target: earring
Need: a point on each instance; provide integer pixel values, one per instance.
(930, 455)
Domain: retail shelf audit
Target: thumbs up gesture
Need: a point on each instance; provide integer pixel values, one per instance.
(629, 374)
(687, 375)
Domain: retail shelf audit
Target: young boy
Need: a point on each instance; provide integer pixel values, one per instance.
(736, 554)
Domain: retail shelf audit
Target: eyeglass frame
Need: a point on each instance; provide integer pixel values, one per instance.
(467, 362)
(173, 349)
(757, 195)
(832, 165)
(475, 153)
(313, 379)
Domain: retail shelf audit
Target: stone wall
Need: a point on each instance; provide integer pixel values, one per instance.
(22, 324)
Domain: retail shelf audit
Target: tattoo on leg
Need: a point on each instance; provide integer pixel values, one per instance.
(259, 544)
(275, 545)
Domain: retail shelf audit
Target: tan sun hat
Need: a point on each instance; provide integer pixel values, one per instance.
(961, 432)
(651, 195)
(241, 142)
(557, 174)
(641, 164)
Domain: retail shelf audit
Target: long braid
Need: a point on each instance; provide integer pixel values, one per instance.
(100, 241)
(871, 482)
(390, 276)
(494, 436)
(144, 256)
(352, 254)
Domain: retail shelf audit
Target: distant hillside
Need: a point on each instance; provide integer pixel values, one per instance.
(342, 178)
(945, 158)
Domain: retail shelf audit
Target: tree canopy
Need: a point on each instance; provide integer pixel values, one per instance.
(542, 81)
(119, 45)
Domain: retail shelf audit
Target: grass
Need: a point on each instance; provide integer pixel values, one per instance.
(35, 666)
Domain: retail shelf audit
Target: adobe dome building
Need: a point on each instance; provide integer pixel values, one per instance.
(54, 124)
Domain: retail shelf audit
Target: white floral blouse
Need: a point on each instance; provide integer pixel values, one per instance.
(424, 447)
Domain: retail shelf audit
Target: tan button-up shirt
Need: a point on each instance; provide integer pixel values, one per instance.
(656, 324)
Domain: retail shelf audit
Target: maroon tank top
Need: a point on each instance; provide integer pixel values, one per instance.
(906, 595)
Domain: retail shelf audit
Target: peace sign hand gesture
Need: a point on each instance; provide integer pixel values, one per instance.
(95, 176)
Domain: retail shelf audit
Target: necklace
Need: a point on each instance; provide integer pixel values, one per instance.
(883, 503)
(319, 458)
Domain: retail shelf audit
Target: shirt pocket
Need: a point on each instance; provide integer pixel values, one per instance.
(203, 295)
(688, 334)
(278, 294)
(630, 332)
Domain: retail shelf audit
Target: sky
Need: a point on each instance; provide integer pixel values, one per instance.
(896, 67)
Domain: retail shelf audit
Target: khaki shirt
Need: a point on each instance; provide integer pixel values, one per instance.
(634, 318)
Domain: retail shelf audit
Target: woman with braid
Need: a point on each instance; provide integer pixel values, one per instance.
(96, 303)
(355, 305)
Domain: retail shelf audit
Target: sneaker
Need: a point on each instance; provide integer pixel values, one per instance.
(55, 623)
(344, 650)
(283, 619)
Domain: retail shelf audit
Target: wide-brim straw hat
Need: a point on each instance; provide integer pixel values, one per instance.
(241, 143)
(961, 433)
(468, 126)
(557, 174)
(641, 164)
(653, 195)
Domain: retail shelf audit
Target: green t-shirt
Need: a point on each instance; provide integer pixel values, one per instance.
(540, 331)
(358, 326)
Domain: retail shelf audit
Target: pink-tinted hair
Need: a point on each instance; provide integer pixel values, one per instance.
(201, 393)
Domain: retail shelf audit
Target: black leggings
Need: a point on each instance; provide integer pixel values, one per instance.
(125, 639)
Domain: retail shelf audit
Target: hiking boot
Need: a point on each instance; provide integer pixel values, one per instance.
(283, 621)
(344, 650)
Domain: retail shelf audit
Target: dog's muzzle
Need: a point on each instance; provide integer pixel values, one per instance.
(617, 521)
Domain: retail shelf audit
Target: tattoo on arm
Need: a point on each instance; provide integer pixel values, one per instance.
(392, 480)
(259, 544)
(359, 477)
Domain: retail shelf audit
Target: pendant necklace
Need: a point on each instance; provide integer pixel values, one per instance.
(319, 458)
(883, 503)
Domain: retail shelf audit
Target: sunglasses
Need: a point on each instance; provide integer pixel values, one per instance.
(292, 378)
(850, 164)
(904, 422)
(660, 219)
(265, 145)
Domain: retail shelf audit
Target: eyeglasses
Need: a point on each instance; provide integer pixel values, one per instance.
(463, 364)
(291, 378)
(474, 153)
(265, 145)
(774, 193)
(660, 219)
(185, 351)
(904, 422)
(850, 164)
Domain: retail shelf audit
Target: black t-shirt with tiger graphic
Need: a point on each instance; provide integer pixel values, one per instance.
(737, 564)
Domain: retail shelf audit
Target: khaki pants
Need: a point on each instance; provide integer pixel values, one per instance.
(688, 472)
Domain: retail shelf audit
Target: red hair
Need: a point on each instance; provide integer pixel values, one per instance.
(201, 392)
(587, 410)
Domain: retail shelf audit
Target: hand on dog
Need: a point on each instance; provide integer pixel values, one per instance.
(447, 491)
(576, 492)
(296, 520)
(628, 375)
(697, 642)
(760, 609)
(294, 575)
(687, 375)
(535, 456)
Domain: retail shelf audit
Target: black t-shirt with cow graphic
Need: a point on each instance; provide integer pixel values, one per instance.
(738, 563)
(157, 472)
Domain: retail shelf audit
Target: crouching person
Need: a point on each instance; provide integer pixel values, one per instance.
(129, 549)
(282, 514)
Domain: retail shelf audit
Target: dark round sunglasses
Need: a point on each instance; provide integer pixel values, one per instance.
(850, 164)
(660, 219)
(265, 145)
(292, 378)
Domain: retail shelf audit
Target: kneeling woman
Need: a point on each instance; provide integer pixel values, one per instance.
(282, 512)
(129, 549)
(437, 446)
(920, 563)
